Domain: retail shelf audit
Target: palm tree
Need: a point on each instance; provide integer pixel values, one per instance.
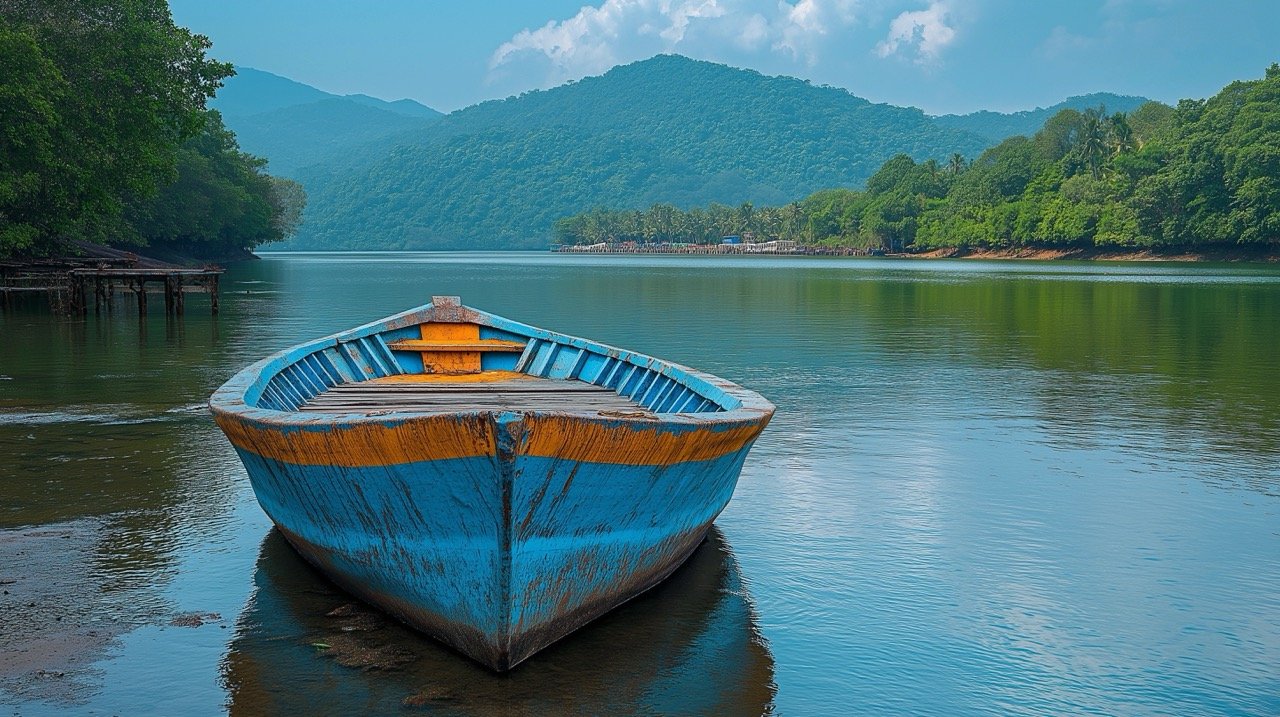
(1093, 142)
(957, 163)
(746, 219)
(792, 217)
(1120, 134)
(769, 220)
(721, 218)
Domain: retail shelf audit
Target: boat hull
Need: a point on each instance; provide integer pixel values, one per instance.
(691, 646)
(496, 533)
(494, 484)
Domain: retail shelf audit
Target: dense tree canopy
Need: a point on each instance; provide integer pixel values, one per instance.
(1206, 173)
(997, 126)
(221, 201)
(1203, 173)
(102, 107)
(32, 179)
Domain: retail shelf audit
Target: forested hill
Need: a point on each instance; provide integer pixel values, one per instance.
(668, 129)
(295, 125)
(1202, 177)
(997, 126)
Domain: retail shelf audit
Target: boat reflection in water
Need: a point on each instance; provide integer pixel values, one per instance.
(689, 646)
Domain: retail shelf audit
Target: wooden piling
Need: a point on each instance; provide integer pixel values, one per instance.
(78, 304)
(67, 285)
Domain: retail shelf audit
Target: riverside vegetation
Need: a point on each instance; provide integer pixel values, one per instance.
(105, 138)
(1204, 175)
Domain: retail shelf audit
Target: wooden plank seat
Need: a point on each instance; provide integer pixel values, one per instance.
(522, 394)
(435, 346)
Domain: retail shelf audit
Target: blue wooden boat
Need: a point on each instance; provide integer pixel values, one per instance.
(493, 484)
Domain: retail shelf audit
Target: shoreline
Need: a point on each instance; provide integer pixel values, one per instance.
(1233, 254)
(1025, 254)
(1266, 254)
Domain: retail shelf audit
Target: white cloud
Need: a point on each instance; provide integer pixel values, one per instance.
(801, 25)
(599, 37)
(584, 40)
(928, 31)
(754, 33)
(681, 14)
(1061, 43)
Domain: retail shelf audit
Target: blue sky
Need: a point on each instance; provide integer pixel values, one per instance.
(939, 55)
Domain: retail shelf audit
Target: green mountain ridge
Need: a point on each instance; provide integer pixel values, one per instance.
(996, 126)
(670, 129)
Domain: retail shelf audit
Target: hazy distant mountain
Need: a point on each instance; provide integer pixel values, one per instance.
(997, 126)
(404, 107)
(251, 92)
(668, 129)
(294, 125)
(317, 132)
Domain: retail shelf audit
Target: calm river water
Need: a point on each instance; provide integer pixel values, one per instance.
(990, 488)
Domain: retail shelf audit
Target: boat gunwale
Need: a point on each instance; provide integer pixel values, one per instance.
(232, 397)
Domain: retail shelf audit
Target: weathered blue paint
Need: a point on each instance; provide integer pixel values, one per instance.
(453, 554)
(692, 649)
(497, 532)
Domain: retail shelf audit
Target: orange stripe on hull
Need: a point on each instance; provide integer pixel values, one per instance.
(442, 438)
(646, 445)
(365, 444)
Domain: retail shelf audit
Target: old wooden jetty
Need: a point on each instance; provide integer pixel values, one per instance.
(71, 284)
(488, 482)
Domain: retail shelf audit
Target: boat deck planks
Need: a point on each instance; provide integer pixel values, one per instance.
(523, 394)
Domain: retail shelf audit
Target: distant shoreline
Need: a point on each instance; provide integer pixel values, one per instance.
(1224, 254)
(1228, 255)
(1232, 254)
